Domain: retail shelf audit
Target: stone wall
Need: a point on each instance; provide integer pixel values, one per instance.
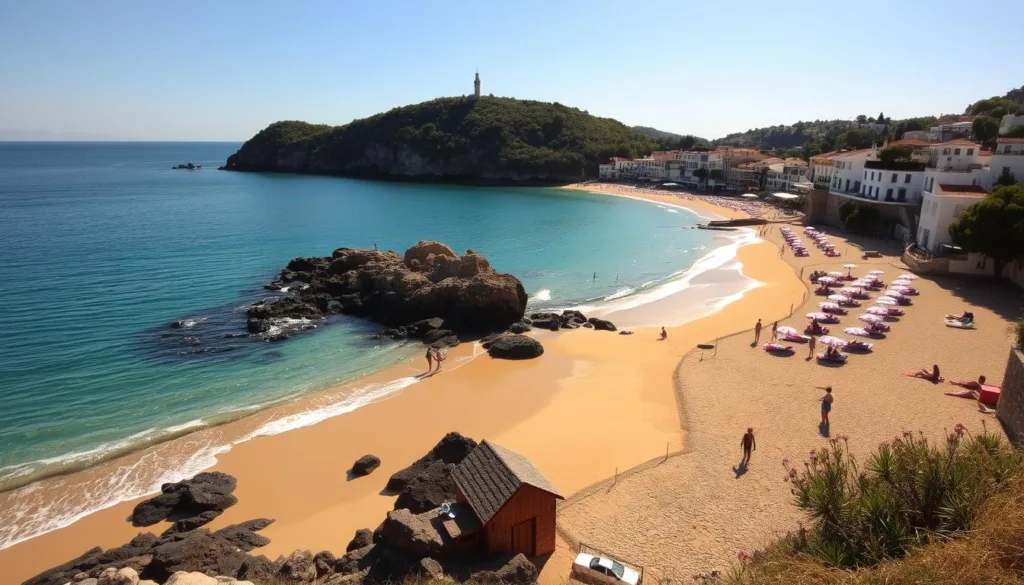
(1011, 398)
(921, 265)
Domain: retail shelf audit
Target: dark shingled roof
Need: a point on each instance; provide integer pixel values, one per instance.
(490, 475)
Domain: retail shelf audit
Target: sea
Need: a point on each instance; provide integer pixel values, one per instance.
(103, 246)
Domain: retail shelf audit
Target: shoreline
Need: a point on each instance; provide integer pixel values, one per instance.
(574, 363)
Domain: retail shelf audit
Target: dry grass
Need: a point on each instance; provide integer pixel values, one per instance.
(991, 553)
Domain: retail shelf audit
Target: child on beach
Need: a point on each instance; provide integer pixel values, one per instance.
(775, 331)
(826, 404)
(811, 342)
(757, 332)
(664, 334)
(438, 358)
(748, 444)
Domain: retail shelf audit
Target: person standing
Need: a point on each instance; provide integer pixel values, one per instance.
(757, 332)
(438, 358)
(811, 343)
(748, 444)
(826, 405)
(430, 359)
(775, 331)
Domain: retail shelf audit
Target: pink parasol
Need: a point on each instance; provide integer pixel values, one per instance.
(870, 318)
(787, 330)
(859, 331)
(893, 294)
(819, 316)
(877, 311)
(826, 280)
(907, 276)
(839, 298)
(830, 341)
(886, 301)
(832, 306)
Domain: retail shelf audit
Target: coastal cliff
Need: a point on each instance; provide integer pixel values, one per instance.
(487, 140)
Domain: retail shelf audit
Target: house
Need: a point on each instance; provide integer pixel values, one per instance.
(513, 502)
(606, 171)
(1008, 157)
(941, 206)
(1009, 122)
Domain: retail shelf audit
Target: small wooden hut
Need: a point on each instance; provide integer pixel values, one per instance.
(514, 503)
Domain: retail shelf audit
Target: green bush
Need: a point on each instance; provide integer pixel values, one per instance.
(1017, 330)
(859, 218)
(908, 493)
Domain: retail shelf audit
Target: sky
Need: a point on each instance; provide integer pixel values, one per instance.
(224, 69)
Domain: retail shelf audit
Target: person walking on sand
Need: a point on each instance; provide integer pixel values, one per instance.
(775, 331)
(826, 404)
(748, 444)
(438, 358)
(430, 359)
(757, 332)
(810, 347)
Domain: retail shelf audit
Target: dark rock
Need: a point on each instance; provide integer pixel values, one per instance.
(436, 335)
(324, 562)
(390, 566)
(365, 465)
(428, 490)
(378, 533)
(243, 535)
(574, 316)
(192, 522)
(356, 560)
(430, 568)
(298, 567)
(588, 325)
(453, 448)
(206, 491)
(363, 538)
(394, 333)
(61, 574)
(423, 326)
(199, 551)
(411, 534)
(601, 324)
(519, 327)
(515, 347)
(625, 332)
(518, 571)
(258, 569)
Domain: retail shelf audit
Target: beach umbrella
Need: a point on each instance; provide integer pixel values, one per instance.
(830, 341)
(886, 301)
(826, 280)
(908, 276)
(839, 298)
(893, 294)
(787, 330)
(859, 331)
(876, 272)
(835, 274)
(850, 290)
(878, 311)
(829, 305)
(900, 289)
(868, 318)
(819, 316)
(849, 266)
(861, 283)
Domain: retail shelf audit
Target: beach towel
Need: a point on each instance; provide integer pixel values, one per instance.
(988, 395)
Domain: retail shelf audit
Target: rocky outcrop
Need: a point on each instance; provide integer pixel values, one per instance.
(451, 449)
(363, 538)
(94, 561)
(518, 571)
(431, 293)
(512, 346)
(365, 465)
(411, 534)
(196, 551)
(298, 567)
(601, 324)
(208, 491)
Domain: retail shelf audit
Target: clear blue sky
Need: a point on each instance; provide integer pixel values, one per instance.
(222, 70)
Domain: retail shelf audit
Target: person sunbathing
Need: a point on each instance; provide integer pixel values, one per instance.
(970, 384)
(831, 353)
(932, 376)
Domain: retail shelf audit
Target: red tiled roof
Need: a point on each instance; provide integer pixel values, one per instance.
(851, 152)
(958, 141)
(1008, 140)
(909, 142)
(963, 190)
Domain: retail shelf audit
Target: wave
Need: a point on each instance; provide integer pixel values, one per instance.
(543, 294)
(622, 292)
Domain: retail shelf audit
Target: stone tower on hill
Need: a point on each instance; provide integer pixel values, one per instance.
(476, 86)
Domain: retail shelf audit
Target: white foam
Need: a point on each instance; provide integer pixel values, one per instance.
(543, 294)
(622, 292)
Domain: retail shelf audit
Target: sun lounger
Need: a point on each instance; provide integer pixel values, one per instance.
(810, 331)
(870, 254)
(793, 338)
(957, 324)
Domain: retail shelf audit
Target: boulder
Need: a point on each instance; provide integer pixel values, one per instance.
(430, 569)
(80, 577)
(124, 576)
(191, 578)
(196, 551)
(324, 562)
(192, 522)
(424, 326)
(90, 581)
(424, 249)
(356, 560)
(436, 335)
(428, 490)
(453, 448)
(411, 534)
(601, 324)
(206, 491)
(363, 538)
(574, 316)
(519, 327)
(519, 571)
(258, 569)
(298, 567)
(365, 465)
(243, 535)
(515, 347)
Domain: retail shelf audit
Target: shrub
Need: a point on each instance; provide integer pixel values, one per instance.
(908, 493)
(1017, 330)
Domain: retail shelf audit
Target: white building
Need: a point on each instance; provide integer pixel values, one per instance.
(821, 170)
(847, 171)
(1008, 157)
(952, 131)
(958, 162)
(1009, 121)
(941, 206)
(606, 171)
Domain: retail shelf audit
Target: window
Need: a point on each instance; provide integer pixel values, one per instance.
(956, 151)
(866, 174)
(970, 152)
(924, 240)
(872, 175)
(847, 184)
(901, 195)
(888, 194)
(1006, 149)
(907, 180)
(945, 151)
(895, 177)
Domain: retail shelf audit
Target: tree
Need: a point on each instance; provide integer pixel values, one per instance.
(701, 174)
(1006, 178)
(985, 129)
(857, 138)
(862, 119)
(994, 227)
(1016, 132)
(895, 153)
(716, 175)
(762, 178)
(881, 118)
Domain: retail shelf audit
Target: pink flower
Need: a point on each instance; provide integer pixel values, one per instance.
(959, 429)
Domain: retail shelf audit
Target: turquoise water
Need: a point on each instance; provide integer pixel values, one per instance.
(103, 246)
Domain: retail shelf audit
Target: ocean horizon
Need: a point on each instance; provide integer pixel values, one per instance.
(116, 246)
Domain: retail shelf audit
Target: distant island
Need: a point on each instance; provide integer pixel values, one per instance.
(485, 140)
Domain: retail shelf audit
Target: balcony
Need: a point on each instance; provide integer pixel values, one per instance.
(910, 199)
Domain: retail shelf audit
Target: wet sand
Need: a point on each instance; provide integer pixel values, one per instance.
(594, 403)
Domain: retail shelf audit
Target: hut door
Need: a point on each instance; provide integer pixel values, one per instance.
(523, 537)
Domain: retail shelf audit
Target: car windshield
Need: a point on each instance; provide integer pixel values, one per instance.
(618, 569)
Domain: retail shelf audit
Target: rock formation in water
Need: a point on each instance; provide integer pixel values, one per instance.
(488, 140)
(430, 293)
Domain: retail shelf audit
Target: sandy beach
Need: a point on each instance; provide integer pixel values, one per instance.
(597, 414)
(606, 401)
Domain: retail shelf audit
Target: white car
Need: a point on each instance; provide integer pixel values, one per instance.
(591, 568)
